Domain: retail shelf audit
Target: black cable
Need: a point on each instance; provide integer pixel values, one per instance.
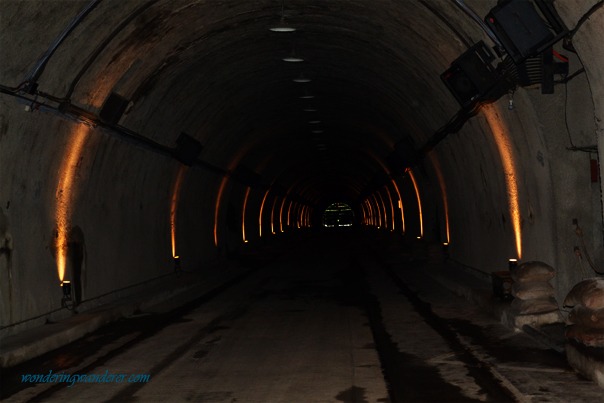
(585, 17)
(571, 76)
(104, 44)
(35, 74)
(81, 115)
(447, 22)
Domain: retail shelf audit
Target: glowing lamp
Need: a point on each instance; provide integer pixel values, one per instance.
(283, 26)
(302, 79)
(293, 59)
(176, 263)
(512, 264)
(66, 286)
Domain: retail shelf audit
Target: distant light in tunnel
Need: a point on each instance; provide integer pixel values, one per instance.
(174, 206)
(247, 195)
(419, 203)
(281, 214)
(379, 210)
(391, 207)
(443, 191)
(283, 29)
(289, 211)
(217, 207)
(302, 79)
(400, 203)
(261, 210)
(306, 95)
(385, 222)
(65, 194)
(506, 153)
(369, 212)
(293, 59)
(273, 215)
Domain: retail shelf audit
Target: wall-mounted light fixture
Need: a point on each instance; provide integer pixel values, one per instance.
(67, 301)
(177, 267)
(512, 264)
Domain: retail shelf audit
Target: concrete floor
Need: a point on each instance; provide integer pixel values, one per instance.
(331, 320)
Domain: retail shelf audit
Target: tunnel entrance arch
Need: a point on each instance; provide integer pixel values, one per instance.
(338, 215)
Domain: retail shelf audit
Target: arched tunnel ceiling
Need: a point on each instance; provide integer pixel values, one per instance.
(214, 70)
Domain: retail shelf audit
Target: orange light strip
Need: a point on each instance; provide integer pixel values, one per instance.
(391, 207)
(298, 215)
(307, 218)
(506, 153)
(419, 203)
(260, 214)
(273, 214)
(247, 195)
(379, 212)
(400, 204)
(383, 209)
(281, 214)
(174, 205)
(364, 213)
(371, 213)
(443, 191)
(66, 193)
(217, 208)
(289, 210)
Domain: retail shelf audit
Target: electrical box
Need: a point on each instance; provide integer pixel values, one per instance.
(523, 30)
(471, 75)
(187, 149)
(114, 107)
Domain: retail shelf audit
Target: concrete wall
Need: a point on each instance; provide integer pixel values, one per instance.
(213, 72)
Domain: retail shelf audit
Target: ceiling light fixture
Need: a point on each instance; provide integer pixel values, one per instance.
(307, 95)
(302, 79)
(283, 26)
(293, 59)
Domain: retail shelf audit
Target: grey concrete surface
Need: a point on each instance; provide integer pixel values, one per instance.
(341, 317)
(164, 294)
(508, 184)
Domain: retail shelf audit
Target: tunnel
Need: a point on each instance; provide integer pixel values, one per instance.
(153, 146)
